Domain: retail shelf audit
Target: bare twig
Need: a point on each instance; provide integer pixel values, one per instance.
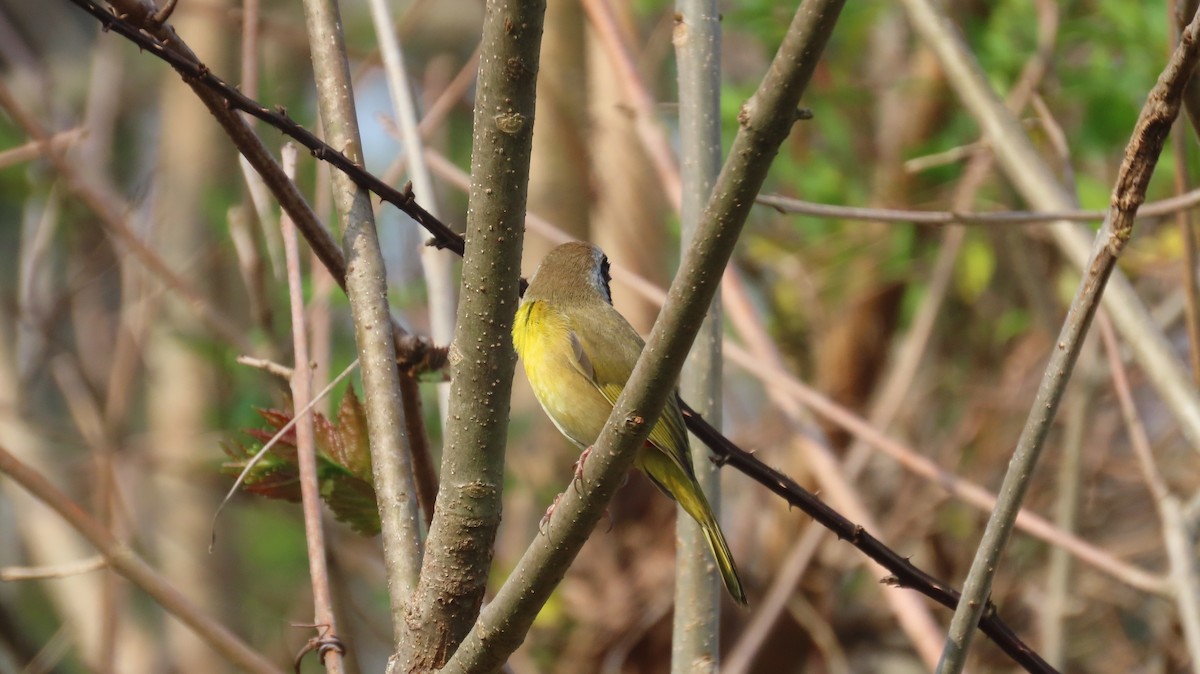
(1141, 155)
(645, 121)
(124, 561)
(277, 369)
(438, 264)
(1179, 541)
(1152, 210)
(1040, 186)
(438, 111)
(13, 573)
(220, 98)
(1183, 219)
(34, 149)
(912, 615)
(306, 453)
(366, 288)
(111, 213)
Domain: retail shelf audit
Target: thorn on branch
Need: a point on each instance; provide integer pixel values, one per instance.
(160, 17)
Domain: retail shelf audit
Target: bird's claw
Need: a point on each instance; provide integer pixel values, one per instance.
(579, 467)
(544, 523)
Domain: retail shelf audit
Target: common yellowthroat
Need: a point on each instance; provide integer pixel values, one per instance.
(578, 353)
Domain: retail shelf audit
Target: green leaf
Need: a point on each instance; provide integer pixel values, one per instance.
(343, 463)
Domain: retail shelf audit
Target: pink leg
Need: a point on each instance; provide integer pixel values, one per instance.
(545, 521)
(579, 467)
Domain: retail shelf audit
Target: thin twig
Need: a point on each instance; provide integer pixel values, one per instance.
(111, 213)
(438, 265)
(438, 112)
(14, 573)
(1183, 220)
(910, 612)
(645, 120)
(1179, 540)
(277, 369)
(1152, 210)
(271, 443)
(1141, 155)
(36, 148)
(306, 453)
(1039, 185)
(366, 289)
(126, 562)
(197, 74)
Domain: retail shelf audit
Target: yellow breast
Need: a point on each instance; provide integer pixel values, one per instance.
(542, 337)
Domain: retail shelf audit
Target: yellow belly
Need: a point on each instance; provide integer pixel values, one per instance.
(542, 338)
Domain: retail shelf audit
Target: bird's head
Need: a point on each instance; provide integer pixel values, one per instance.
(573, 271)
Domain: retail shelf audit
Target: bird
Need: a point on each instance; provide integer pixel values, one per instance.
(578, 352)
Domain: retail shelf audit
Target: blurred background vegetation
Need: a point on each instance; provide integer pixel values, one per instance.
(113, 386)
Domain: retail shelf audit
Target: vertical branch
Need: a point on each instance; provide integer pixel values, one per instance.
(1180, 12)
(306, 455)
(1054, 606)
(1141, 155)
(1187, 231)
(1177, 535)
(697, 41)
(437, 264)
(482, 358)
(366, 288)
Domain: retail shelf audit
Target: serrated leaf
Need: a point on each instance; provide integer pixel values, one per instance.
(343, 463)
(353, 502)
(273, 476)
(354, 449)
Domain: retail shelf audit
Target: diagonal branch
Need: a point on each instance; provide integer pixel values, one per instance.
(1158, 114)
(122, 559)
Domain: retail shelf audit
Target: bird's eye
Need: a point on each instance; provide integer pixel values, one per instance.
(605, 277)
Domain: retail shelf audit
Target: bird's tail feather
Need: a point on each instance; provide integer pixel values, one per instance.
(671, 479)
(696, 505)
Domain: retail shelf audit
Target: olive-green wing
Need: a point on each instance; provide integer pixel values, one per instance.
(606, 356)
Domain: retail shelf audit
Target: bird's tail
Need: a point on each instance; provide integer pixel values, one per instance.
(696, 505)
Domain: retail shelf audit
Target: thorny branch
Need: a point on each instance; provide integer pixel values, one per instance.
(194, 71)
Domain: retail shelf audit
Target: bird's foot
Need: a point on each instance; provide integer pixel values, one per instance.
(545, 521)
(579, 467)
